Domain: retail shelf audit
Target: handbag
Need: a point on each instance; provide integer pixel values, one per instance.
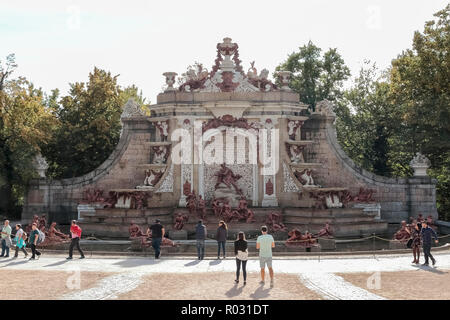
(409, 243)
(242, 255)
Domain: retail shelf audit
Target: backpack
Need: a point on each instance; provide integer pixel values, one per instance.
(41, 237)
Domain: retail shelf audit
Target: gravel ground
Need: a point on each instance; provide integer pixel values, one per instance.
(219, 286)
(45, 285)
(422, 284)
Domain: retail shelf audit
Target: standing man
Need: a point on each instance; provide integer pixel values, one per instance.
(75, 231)
(34, 236)
(157, 235)
(426, 234)
(6, 239)
(200, 235)
(264, 244)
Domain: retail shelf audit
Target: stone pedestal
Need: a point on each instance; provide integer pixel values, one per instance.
(395, 245)
(327, 244)
(178, 234)
(87, 209)
(373, 209)
(136, 244)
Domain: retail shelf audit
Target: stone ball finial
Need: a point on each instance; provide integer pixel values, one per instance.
(40, 164)
(420, 164)
(170, 80)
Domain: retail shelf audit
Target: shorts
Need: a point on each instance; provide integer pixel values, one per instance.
(265, 260)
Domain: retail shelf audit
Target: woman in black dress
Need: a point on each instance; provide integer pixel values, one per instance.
(241, 251)
(416, 241)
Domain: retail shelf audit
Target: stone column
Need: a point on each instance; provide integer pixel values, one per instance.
(422, 189)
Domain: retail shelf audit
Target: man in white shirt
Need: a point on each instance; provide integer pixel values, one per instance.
(6, 239)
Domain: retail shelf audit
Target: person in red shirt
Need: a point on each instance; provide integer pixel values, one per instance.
(75, 232)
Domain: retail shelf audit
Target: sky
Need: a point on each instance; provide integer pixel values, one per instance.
(57, 42)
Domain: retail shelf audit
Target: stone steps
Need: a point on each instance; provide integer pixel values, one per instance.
(323, 220)
(345, 229)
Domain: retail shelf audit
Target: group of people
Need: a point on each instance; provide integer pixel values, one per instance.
(264, 244)
(418, 234)
(33, 239)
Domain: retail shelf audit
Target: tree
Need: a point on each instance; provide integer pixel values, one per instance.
(420, 85)
(366, 120)
(316, 77)
(25, 125)
(89, 126)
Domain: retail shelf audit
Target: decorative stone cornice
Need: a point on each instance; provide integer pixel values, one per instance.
(132, 110)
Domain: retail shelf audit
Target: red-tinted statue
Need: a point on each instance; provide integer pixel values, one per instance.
(42, 223)
(403, 235)
(191, 201)
(201, 208)
(227, 177)
(217, 207)
(243, 212)
(227, 215)
(135, 231)
(297, 239)
(325, 232)
(146, 241)
(273, 222)
(180, 220)
(54, 235)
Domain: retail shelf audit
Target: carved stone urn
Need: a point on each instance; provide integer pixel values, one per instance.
(420, 164)
(170, 80)
(285, 76)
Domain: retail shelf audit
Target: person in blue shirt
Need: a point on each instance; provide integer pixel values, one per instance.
(426, 234)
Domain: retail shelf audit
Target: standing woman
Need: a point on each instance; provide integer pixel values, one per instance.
(416, 241)
(241, 251)
(20, 241)
(221, 237)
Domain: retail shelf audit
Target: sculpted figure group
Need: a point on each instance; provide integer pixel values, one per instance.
(52, 235)
(223, 210)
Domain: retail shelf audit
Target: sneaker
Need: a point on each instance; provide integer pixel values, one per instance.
(69, 258)
(31, 258)
(82, 257)
(7, 256)
(425, 264)
(434, 262)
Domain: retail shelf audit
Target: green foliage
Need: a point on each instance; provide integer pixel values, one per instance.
(25, 125)
(89, 124)
(383, 122)
(316, 77)
(366, 120)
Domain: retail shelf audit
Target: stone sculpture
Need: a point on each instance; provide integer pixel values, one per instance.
(180, 220)
(403, 234)
(325, 232)
(274, 222)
